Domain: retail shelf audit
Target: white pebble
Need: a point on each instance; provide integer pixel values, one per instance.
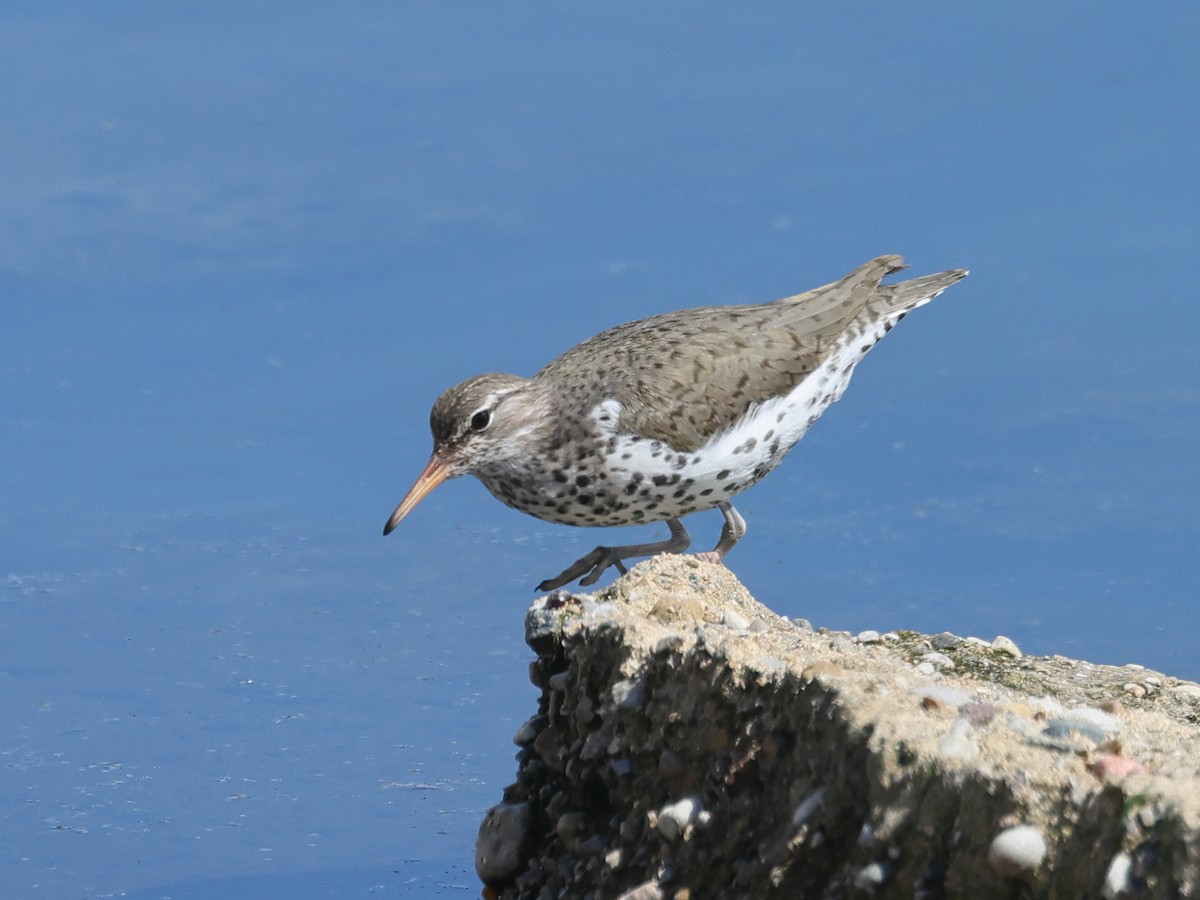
(1190, 691)
(675, 817)
(647, 890)
(938, 660)
(960, 742)
(1098, 717)
(1117, 882)
(943, 694)
(870, 877)
(868, 637)
(736, 621)
(628, 693)
(1018, 849)
(1006, 645)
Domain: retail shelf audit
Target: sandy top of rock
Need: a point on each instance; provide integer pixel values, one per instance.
(1040, 723)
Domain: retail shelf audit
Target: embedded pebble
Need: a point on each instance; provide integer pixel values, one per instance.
(871, 877)
(946, 641)
(960, 742)
(978, 713)
(808, 806)
(1117, 880)
(934, 704)
(568, 826)
(675, 817)
(599, 611)
(1064, 729)
(943, 694)
(628, 694)
(1135, 689)
(498, 848)
(1190, 691)
(868, 637)
(558, 682)
(1113, 766)
(1006, 645)
(647, 890)
(1018, 849)
(939, 660)
(926, 668)
(736, 621)
(1097, 717)
(527, 732)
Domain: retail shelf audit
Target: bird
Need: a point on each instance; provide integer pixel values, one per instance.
(666, 416)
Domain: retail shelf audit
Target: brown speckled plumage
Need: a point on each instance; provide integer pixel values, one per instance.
(659, 418)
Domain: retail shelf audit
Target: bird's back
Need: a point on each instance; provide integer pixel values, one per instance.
(682, 376)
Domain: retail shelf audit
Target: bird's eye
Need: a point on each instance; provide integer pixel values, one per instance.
(481, 420)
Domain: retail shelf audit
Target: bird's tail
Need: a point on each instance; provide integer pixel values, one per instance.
(907, 295)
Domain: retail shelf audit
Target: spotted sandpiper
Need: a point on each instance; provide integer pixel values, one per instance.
(666, 416)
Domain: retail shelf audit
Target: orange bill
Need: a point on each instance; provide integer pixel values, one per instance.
(435, 473)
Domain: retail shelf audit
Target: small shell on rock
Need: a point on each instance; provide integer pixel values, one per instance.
(1018, 849)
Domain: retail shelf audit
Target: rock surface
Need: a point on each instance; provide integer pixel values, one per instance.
(689, 743)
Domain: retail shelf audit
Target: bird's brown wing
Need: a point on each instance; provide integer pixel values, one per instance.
(683, 376)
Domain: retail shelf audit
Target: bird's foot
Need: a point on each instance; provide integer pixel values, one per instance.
(594, 564)
(601, 559)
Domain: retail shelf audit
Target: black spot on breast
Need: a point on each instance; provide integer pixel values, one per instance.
(582, 480)
(560, 476)
(660, 480)
(724, 473)
(706, 492)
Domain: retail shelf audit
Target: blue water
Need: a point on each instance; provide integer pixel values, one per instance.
(242, 249)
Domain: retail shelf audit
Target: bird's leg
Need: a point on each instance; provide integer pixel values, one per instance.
(731, 533)
(600, 559)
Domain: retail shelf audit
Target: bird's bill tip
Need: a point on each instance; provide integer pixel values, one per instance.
(437, 471)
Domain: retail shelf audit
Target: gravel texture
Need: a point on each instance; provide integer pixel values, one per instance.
(689, 743)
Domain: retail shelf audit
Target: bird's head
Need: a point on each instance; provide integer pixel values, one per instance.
(476, 425)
